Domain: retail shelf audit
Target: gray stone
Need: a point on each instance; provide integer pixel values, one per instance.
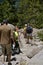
(34, 51)
(37, 59)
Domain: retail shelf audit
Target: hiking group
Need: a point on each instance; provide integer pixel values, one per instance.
(9, 40)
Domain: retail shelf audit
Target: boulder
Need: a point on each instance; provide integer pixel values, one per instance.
(34, 51)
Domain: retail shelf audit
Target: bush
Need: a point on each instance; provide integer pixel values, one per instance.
(40, 35)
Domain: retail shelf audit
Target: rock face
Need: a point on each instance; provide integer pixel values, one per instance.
(34, 51)
(37, 59)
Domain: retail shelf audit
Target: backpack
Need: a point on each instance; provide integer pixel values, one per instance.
(29, 29)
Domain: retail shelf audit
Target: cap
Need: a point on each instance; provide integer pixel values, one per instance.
(5, 21)
(25, 24)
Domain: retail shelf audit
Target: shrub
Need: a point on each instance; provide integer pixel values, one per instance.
(40, 35)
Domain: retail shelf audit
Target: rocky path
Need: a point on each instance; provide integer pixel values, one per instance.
(32, 55)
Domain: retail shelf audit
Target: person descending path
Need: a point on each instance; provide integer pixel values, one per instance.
(29, 31)
(15, 36)
(5, 34)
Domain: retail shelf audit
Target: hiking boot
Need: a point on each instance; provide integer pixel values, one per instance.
(17, 63)
(13, 59)
(9, 63)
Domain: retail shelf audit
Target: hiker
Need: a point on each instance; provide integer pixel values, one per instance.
(24, 32)
(29, 31)
(5, 34)
(15, 35)
(19, 33)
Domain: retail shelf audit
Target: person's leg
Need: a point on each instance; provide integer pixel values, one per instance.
(9, 57)
(31, 37)
(17, 46)
(27, 39)
(3, 57)
(8, 47)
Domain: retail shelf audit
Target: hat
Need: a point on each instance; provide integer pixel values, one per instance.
(5, 21)
(25, 24)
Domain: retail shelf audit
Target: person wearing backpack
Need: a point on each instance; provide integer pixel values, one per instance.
(29, 31)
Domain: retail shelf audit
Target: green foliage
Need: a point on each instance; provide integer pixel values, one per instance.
(7, 11)
(27, 11)
(40, 35)
(31, 11)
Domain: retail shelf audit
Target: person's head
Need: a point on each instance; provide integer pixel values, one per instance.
(25, 25)
(16, 27)
(5, 21)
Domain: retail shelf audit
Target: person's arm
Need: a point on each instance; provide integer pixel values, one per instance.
(14, 36)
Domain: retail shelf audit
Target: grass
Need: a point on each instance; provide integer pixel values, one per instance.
(40, 35)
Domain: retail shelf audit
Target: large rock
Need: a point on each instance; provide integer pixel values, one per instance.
(34, 51)
(37, 59)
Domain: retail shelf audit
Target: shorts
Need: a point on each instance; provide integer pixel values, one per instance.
(6, 48)
(29, 36)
